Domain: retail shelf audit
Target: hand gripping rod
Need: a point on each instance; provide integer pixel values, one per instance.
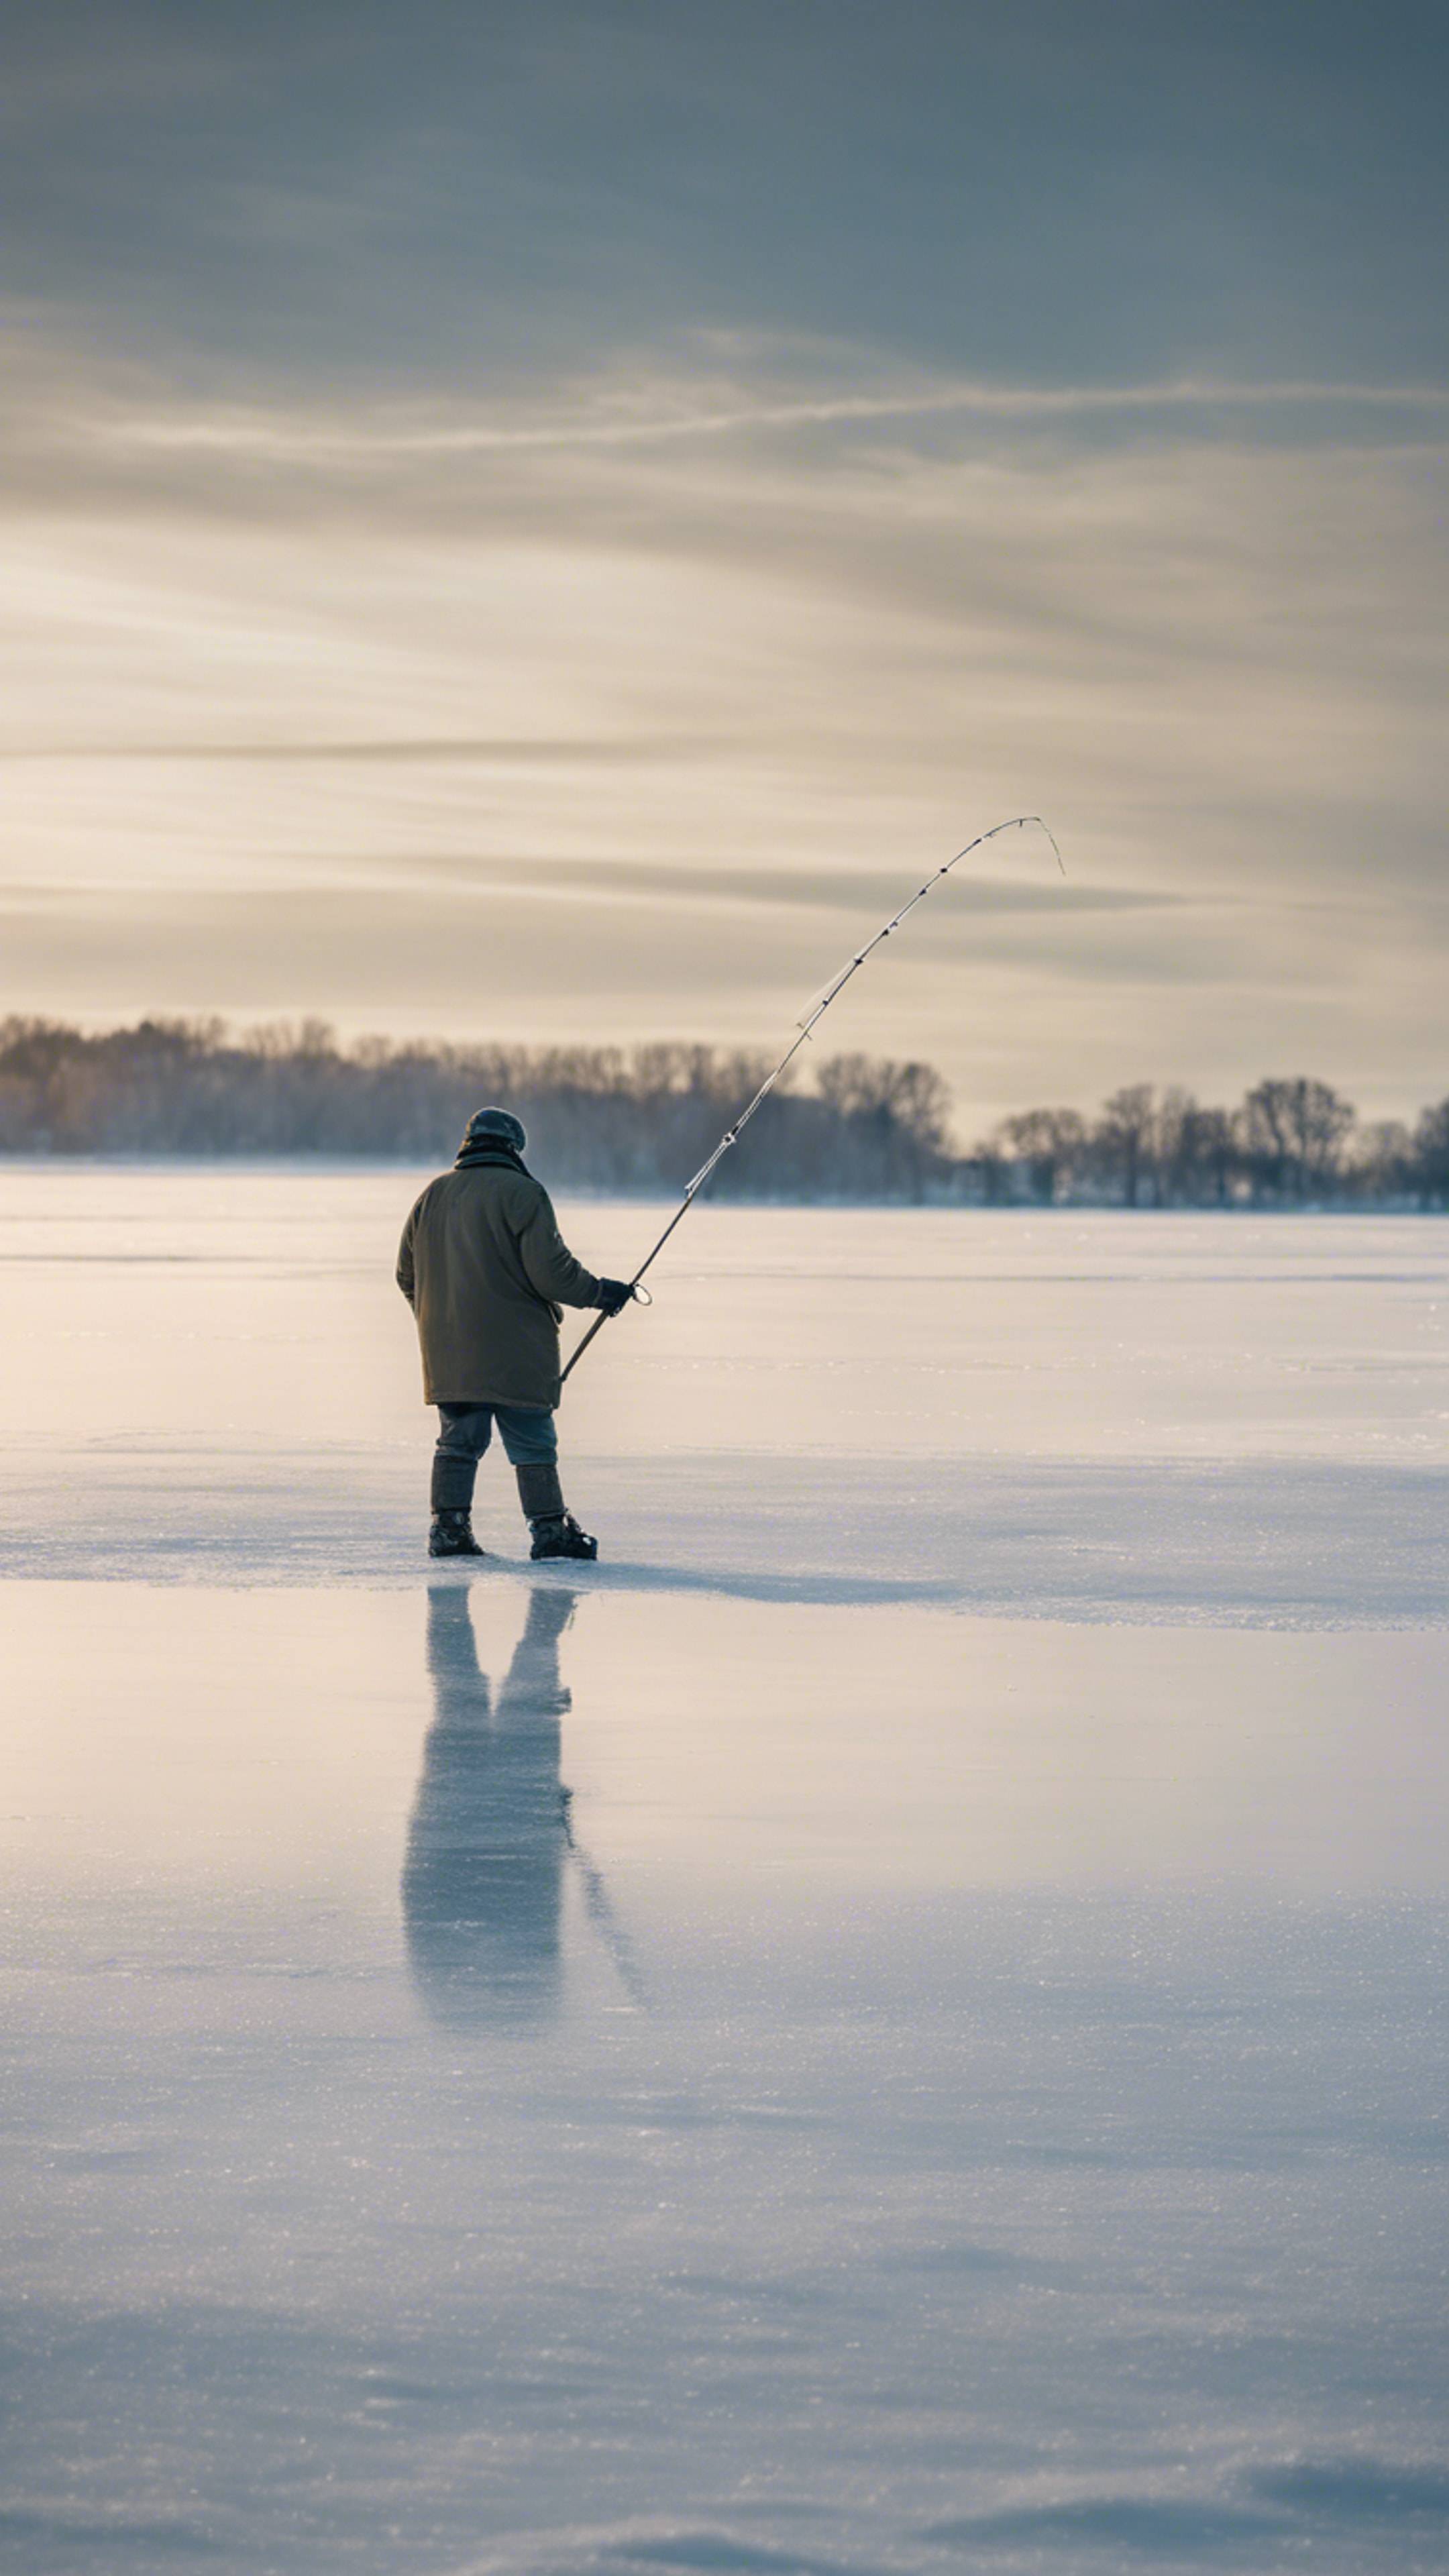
(805, 1028)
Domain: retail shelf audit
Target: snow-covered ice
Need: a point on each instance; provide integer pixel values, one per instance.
(895, 2024)
(212, 1378)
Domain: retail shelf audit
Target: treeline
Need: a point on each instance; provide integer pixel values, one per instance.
(603, 1118)
(645, 1118)
(1287, 1144)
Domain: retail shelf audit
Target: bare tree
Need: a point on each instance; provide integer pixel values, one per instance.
(895, 1113)
(1431, 1156)
(1178, 1176)
(1215, 1151)
(1124, 1136)
(1293, 1133)
(1052, 1145)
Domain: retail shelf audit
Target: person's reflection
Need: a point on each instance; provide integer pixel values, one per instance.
(483, 1881)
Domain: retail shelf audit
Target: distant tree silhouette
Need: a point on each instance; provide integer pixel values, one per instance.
(1289, 1143)
(1431, 1156)
(645, 1118)
(894, 1116)
(1125, 1138)
(1215, 1150)
(610, 1118)
(1292, 1133)
(1050, 1143)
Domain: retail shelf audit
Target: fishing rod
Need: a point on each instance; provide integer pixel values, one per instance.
(805, 1029)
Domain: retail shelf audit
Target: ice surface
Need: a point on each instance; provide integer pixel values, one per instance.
(737, 2060)
(1099, 1417)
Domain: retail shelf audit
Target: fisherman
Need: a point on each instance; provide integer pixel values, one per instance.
(487, 1274)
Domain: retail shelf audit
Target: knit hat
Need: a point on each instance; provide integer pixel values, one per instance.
(495, 1127)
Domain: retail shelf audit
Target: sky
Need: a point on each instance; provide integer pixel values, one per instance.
(545, 522)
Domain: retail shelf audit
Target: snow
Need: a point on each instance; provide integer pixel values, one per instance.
(959, 2078)
(1103, 1417)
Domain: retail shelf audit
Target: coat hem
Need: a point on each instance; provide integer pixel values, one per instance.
(530, 1403)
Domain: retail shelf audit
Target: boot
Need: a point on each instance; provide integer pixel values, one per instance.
(562, 1538)
(452, 1535)
(555, 1531)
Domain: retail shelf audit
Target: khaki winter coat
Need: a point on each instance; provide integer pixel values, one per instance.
(486, 1272)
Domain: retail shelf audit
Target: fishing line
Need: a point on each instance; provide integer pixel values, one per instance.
(804, 1028)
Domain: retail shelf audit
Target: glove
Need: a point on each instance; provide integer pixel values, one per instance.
(614, 1295)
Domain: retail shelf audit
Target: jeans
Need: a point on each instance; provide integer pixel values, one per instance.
(528, 1432)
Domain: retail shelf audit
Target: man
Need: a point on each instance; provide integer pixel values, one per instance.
(486, 1272)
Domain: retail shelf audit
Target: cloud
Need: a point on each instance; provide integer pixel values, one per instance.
(103, 421)
(350, 444)
(521, 751)
(658, 696)
(1046, 196)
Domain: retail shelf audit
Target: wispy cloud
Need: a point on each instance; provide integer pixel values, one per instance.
(259, 433)
(87, 417)
(521, 751)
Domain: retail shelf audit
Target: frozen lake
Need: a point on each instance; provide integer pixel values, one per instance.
(896, 2024)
